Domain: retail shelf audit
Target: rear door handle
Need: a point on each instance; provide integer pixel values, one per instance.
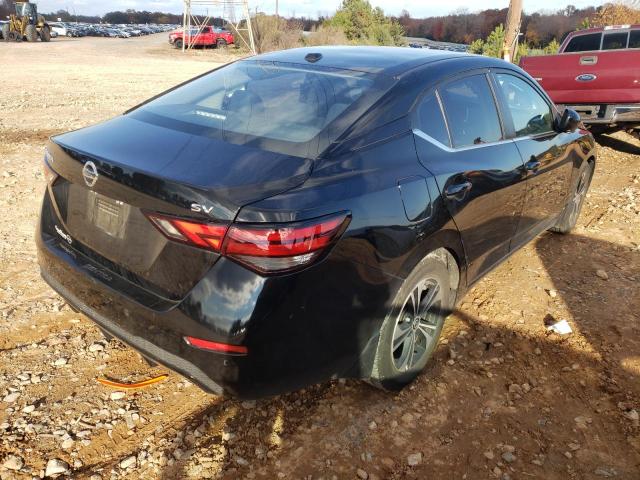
(589, 60)
(457, 190)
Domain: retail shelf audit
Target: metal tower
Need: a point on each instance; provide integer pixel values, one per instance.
(198, 13)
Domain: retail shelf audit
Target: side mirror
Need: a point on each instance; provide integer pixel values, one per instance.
(569, 121)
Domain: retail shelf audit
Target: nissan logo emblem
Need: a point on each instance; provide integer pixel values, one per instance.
(90, 174)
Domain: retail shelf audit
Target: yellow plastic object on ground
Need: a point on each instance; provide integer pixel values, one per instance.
(129, 386)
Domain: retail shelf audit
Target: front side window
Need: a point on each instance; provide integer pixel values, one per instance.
(275, 106)
(531, 114)
(634, 39)
(615, 41)
(471, 111)
(584, 43)
(431, 121)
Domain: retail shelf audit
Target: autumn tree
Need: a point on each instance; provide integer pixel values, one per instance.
(615, 14)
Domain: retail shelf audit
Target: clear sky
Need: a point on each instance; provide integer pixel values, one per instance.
(309, 8)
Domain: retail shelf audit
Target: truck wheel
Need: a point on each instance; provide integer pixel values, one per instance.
(45, 34)
(221, 43)
(178, 44)
(569, 216)
(410, 332)
(5, 32)
(31, 32)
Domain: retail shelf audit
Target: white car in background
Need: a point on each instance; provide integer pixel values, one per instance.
(59, 28)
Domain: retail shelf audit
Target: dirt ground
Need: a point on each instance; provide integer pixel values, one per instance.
(501, 399)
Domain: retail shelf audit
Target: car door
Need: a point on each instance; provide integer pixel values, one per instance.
(460, 140)
(548, 156)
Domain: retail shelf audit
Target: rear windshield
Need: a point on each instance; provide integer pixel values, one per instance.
(288, 108)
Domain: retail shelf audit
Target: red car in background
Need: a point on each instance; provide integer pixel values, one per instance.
(203, 36)
(597, 74)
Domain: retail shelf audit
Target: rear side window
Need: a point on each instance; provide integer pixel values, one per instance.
(615, 41)
(634, 39)
(471, 111)
(531, 114)
(584, 43)
(431, 121)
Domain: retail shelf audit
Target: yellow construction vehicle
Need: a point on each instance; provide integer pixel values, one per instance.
(26, 24)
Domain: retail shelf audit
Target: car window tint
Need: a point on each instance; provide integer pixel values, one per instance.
(584, 43)
(431, 121)
(634, 39)
(267, 102)
(614, 41)
(471, 111)
(531, 114)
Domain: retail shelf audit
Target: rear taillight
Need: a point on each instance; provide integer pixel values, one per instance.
(283, 247)
(49, 174)
(267, 249)
(203, 235)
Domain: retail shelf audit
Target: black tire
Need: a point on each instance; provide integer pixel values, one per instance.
(221, 43)
(5, 32)
(31, 33)
(178, 44)
(409, 335)
(569, 216)
(45, 34)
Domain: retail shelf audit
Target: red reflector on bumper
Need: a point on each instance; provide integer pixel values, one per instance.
(215, 346)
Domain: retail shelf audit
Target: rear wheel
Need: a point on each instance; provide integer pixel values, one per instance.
(410, 332)
(31, 32)
(178, 44)
(5, 32)
(571, 212)
(45, 34)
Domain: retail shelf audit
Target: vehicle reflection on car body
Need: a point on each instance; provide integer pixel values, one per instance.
(307, 214)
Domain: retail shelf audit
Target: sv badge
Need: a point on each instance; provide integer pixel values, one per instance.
(196, 207)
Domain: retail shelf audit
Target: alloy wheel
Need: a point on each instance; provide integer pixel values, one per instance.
(417, 326)
(581, 192)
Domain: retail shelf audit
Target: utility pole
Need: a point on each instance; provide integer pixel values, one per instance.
(512, 30)
(277, 15)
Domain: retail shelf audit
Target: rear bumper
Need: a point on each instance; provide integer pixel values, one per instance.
(299, 329)
(141, 344)
(606, 114)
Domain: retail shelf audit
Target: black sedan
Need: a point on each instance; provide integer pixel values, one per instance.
(306, 214)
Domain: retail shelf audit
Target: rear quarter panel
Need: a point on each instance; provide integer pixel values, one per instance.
(617, 76)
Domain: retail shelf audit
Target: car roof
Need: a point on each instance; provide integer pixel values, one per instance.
(387, 60)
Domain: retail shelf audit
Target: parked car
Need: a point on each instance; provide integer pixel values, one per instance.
(203, 37)
(58, 28)
(596, 73)
(2, 22)
(306, 214)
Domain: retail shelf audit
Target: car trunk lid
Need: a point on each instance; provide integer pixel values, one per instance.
(114, 173)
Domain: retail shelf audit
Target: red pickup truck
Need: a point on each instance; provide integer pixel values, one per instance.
(597, 74)
(203, 36)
